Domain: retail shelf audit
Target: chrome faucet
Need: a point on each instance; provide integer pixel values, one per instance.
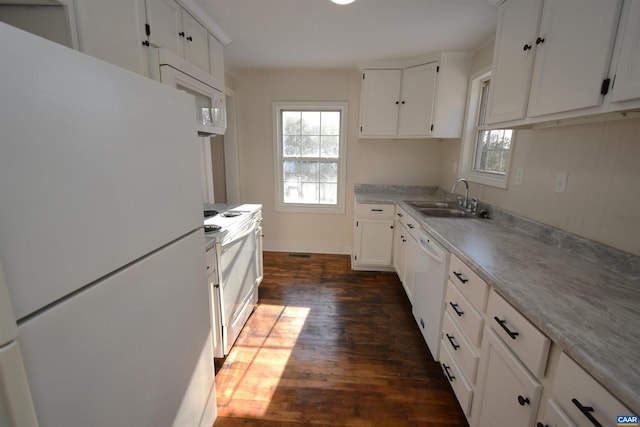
(465, 203)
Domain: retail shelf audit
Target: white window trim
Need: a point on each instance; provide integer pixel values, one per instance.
(277, 107)
(470, 136)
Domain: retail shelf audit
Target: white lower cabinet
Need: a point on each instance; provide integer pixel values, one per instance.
(508, 395)
(553, 416)
(373, 237)
(461, 387)
(585, 401)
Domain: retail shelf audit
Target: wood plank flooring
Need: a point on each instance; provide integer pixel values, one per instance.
(328, 346)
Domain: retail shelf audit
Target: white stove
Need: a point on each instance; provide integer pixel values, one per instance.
(222, 220)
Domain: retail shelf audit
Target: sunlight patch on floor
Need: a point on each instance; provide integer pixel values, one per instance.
(264, 350)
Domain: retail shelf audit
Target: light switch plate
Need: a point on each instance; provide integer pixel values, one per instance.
(561, 182)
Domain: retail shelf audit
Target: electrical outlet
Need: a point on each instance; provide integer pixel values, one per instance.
(561, 182)
(519, 176)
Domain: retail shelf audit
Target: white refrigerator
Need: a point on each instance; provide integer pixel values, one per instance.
(104, 305)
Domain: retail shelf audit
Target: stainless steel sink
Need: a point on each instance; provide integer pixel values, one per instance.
(446, 212)
(434, 204)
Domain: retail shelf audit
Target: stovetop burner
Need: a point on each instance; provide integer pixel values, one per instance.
(231, 214)
(208, 213)
(211, 228)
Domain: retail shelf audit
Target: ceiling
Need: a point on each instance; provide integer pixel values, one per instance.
(320, 34)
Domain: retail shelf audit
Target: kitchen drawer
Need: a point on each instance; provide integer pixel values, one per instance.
(211, 261)
(469, 283)
(461, 387)
(554, 416)
(524, 339)
(464, 315)
(573, 386)
(375, 210)
(464, 353)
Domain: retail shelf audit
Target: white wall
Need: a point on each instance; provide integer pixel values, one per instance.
(602, 199)
(411, 162)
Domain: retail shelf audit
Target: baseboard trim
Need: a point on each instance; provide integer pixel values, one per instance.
(308, 247)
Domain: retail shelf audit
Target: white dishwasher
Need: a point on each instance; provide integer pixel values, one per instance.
(432, 264)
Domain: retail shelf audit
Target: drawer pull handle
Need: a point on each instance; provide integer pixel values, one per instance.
(539, 424)
(410, 226)
(447, 373)
(399, 214)
(523, 400)
(586, 411)
(376, 210)
(460, 277)
(502, 323)
(453, 343)
(455, 308)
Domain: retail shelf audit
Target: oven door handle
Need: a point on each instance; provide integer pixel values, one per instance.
(250, 229)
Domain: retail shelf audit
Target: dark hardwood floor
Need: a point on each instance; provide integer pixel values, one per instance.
(334, 347)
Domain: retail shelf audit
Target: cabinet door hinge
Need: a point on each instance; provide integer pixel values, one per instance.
(357, 223)
(432, 127)
(437, 69)
(355, 257)
(604, 89)
(362, 76)
(147, 29)
(360, 128)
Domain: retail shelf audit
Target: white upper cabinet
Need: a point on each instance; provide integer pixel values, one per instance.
(417, 96)
(420, 98)
(513, 57)
(173, 28)
(552, 59)
(164, 18)
(196, 43)
(626, 84)
(379, 102)
(573, 54)
(216, 59)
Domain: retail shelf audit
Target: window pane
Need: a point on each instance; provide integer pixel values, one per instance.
(329, 193)
(309, 171)
(311, 146)
(311, 122)
(292, 145)
(291, 122)
(331, 123)
(329, 172)
(329, 146)
(310, 192)
(291, 170)
(292, 191)
(492, 151)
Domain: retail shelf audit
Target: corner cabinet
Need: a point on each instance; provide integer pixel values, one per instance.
(425, 100)
(373, 237)
(551, 57)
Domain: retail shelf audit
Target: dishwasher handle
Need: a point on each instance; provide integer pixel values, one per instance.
(431, 249)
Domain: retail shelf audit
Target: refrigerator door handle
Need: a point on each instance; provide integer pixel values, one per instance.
(16, 406)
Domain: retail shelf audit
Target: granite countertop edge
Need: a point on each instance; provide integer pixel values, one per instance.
(534, 285)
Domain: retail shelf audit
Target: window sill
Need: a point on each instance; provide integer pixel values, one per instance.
(311, 209)
(486, 179)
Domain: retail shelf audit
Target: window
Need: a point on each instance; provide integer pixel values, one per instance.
(310, 145)
(486, 153)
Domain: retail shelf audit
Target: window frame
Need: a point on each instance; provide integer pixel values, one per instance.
(277, 108)
(470, 137)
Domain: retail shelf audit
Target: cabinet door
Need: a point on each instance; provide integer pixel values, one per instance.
(216, 60)
(573, 55)
(399, 246)
(196, 43)
(513, 60)
(627, 78)
(373, 241)
(379, 102)
(112, 31)
(164, 17)
(410, 259)
(417, 98)
(508, 395)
